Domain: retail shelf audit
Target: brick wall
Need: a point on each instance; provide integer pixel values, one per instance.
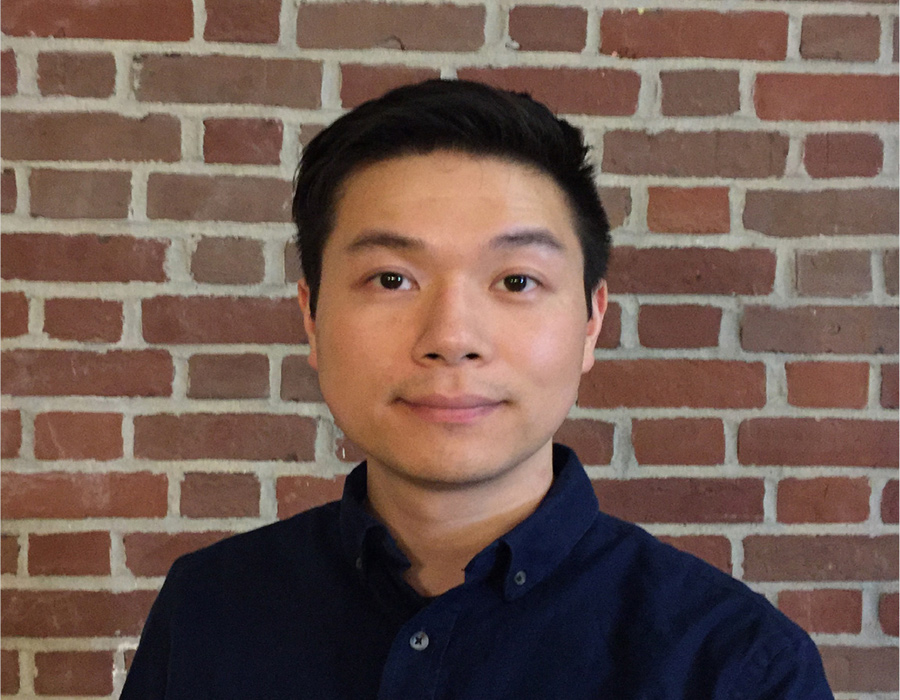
(156, 395)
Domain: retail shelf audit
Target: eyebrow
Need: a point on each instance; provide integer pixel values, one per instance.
(514, 239)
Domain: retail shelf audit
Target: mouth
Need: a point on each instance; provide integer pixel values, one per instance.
(439, 408)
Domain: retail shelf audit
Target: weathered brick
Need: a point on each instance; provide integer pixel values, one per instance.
(679, 326)
(73, 672)
(292, 270)
(84, 258)
(890, 264)
(90, 320)
(826, 97)
(80, 194)
(827, 384)
(699, 93)
(712, 549)
(9, 554)
(611, 330)
(246, 198)
(228, 377)
(678, 500)
(308, 132)
(828, 611)
(688, 210)
(823, 500)
(243, 21)
(816, 329)
(820, 558)
(13, 314)
(367, 25)
(242, 141)
(592, 440)
(62, 435)
(889, 502)
(8, 191)
(9, 73)
(228, 261)
(674, 383)
(691, 271)
(69, 554)
(152, 553)
(678, 441)
(300, 493)
(249, 436)
(887, 613)
(860, 669)
(833, 273)
(842, 155)
(567, 90)
(889, 387)
(94, 136)
(30, 613)
(360, 83)
(840, 37)
(299, 381)
(205, 495)
(536, 28)
(91, 495)
(616, 203)
(10, 433)
(228, 79)
(348, 451)
(833, 442)
(82, 373)
(76, 74)
(9, 671)
(162, 20)
(857, 212)
(658, 33)
(178, 320)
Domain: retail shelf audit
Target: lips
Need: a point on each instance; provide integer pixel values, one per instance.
(440, 408)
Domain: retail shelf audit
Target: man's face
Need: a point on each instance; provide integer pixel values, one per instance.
(451, 331)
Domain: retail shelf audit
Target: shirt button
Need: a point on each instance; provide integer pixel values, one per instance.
(359, 563)
(419, 641)
(519, 578)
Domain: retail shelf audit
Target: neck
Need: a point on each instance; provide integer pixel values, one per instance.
(440, 527)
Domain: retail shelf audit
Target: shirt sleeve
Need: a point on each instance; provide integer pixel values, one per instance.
(794, 673)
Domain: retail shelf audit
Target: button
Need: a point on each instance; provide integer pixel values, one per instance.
(419, 641)
(359, 563)
(519, 578)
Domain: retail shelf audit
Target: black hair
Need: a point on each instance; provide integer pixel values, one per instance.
(453, 115)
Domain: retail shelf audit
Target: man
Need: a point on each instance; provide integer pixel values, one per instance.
(453, 250)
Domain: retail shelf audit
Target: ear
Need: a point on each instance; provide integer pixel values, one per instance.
(309, 323)
(595, 323)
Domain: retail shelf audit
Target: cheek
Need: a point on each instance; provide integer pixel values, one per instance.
(553, 354)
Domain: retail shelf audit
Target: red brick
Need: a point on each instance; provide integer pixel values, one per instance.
(679, 326)
(756, 154)
(824, 611)
(225, 436)
(678, 441)
(93, 137)
(9, 73)
(887, 613)
(820, 558)
(161, 20)
(832, 442)
(823, 500)
(817, 329)
(69, 554)
(688, 210)
(712, 549)
(674, 383)
(82, 373)
(13, 314)
(889, 502)
(300, 493)
(592, 440)
(842, 155)
(9, 672)
(833, 273)
(367, 25)
(244, 21)
(678, 33)
(242, 141)
(228, 79)
(292, 270)
(827, 384)
(29, 613)
(228, 261)
(76, 74)
(786, 214)
(806, 97)
(890, 261)
(840, 37)
(691, 271)
(860, 669)
(206, 495)
(8, 191)
(247, 199)
(73, 672)
(11, 432)
(54, 257)
(360, 83)
(152, 553)
(9, 554)
(51, 495)
(78, 436)
(348, 451)
(568, 90)
(682, 500)
(611, 330)
(228, 377)
(889, 387)
(299, 381)
(80, 194)
(700, 93)
(616, 204)
(308, 132)
(536, 28)
(90, 320)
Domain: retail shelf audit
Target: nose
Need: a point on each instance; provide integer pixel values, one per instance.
(452, 328)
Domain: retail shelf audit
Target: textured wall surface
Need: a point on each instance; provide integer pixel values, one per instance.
(156, 393)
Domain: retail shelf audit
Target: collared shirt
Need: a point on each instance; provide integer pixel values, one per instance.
(571, 603)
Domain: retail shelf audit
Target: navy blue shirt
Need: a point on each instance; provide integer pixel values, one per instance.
(571, 603)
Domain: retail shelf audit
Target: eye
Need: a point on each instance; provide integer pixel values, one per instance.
(391, 280)
(519, 283)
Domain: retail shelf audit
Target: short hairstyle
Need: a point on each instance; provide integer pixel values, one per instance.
(453, 115)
